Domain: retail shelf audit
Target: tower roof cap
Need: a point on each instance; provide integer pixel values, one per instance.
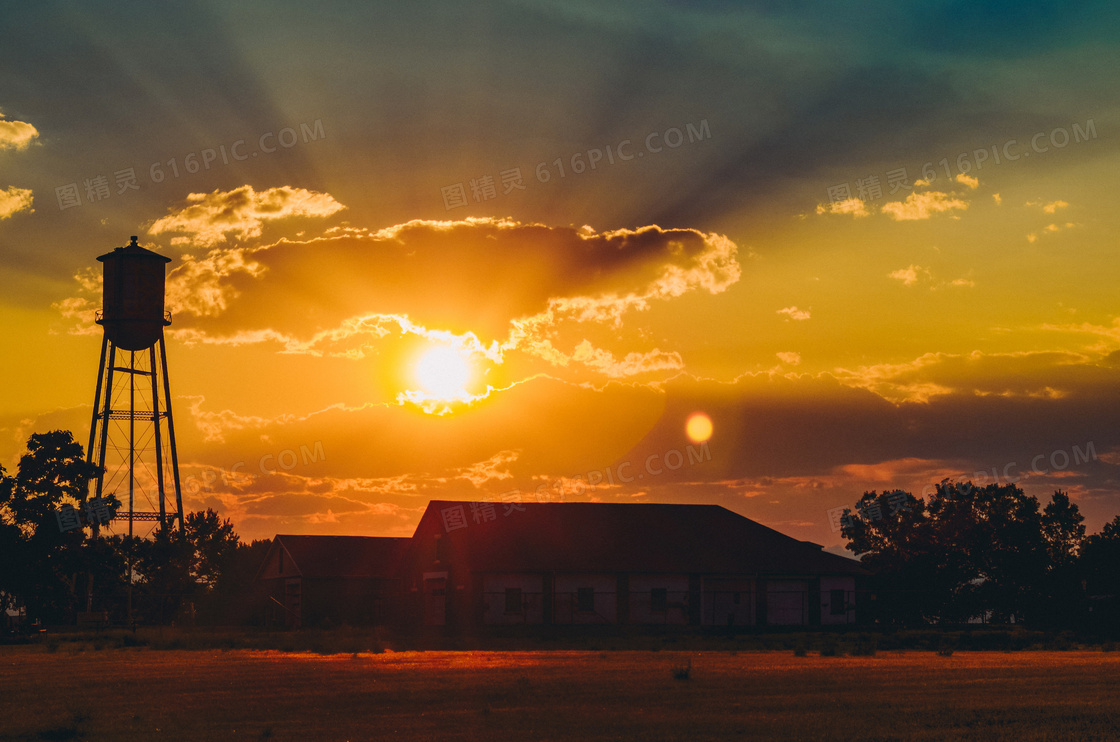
(133, 250)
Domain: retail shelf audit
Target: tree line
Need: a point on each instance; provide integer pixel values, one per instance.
(970, 553)
(50, 573)
(991, 554)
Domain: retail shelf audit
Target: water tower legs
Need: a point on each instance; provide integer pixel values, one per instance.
(140, 457)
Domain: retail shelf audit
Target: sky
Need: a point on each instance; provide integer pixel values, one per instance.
(763, 255)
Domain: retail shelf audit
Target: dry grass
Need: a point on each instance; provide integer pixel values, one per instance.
(140, 693)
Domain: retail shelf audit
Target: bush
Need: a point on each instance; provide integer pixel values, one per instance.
(865, 647)
(946, 646)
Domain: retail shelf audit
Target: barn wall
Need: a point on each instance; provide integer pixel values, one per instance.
(641, 594)
(531, 607)
(566, 598)
(831, 611)
(727, 601)
(270, 570)
(787, 602)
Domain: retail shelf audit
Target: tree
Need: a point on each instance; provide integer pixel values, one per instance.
(969, 552)
(237, 594)
(179, 568)
(894, 540)
(51, 569)
(1064, 600)
(53, 469)
(163, 564)
(1063, 528)
(48, 564)
(214, 543)
(1100, 560)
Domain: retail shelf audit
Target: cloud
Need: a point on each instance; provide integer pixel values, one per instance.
(1049, 229)
(968, 181)
(16, 134)
(358, 290)
(633, 364)
(789, 358)
(909, 276)
(495, 468)
(853, 206)
(520, 300)
(200, 288)
(209, 218)
(1050, 207)
(922, 206)
(1034, 375)
(914, 274)
(1108, 336)
(997, 198)
(14, 200)
(793, 313)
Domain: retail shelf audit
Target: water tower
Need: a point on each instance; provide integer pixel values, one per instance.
(132, 433)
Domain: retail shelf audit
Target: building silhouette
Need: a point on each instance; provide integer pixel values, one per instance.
(477, 565)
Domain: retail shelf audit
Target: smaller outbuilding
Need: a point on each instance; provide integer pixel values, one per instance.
(354, 580)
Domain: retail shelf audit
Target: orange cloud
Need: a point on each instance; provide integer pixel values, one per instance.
(852, 206)
(16, 134)
(1036, 375)
(909, 276)
(209, 218)
(793, 313)
(632, 364)
(495, 468)
(922, 206)
(1050, 207)
(14, 200)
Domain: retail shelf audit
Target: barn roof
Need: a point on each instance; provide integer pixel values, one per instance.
(344, 556)
(618, 537)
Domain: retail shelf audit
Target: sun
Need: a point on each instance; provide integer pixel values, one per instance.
(699, 427)
(443, 372)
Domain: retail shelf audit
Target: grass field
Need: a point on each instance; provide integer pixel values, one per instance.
(142, 694)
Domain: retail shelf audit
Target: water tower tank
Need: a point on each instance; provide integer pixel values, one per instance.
(132, 298)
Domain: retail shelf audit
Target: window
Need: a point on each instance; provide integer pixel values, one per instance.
(513, 600)
(659, 599)
(585, 599)
(837, 601)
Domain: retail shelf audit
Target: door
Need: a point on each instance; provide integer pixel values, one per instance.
(293, 598)
(435, 601)
(728, 602)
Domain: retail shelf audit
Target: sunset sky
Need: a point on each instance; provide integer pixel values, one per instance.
(875, 244)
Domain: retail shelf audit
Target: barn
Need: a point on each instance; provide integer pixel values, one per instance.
(311, 580)
(481, 564)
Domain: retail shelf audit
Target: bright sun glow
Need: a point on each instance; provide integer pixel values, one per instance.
(699, 427)
(443, 372)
